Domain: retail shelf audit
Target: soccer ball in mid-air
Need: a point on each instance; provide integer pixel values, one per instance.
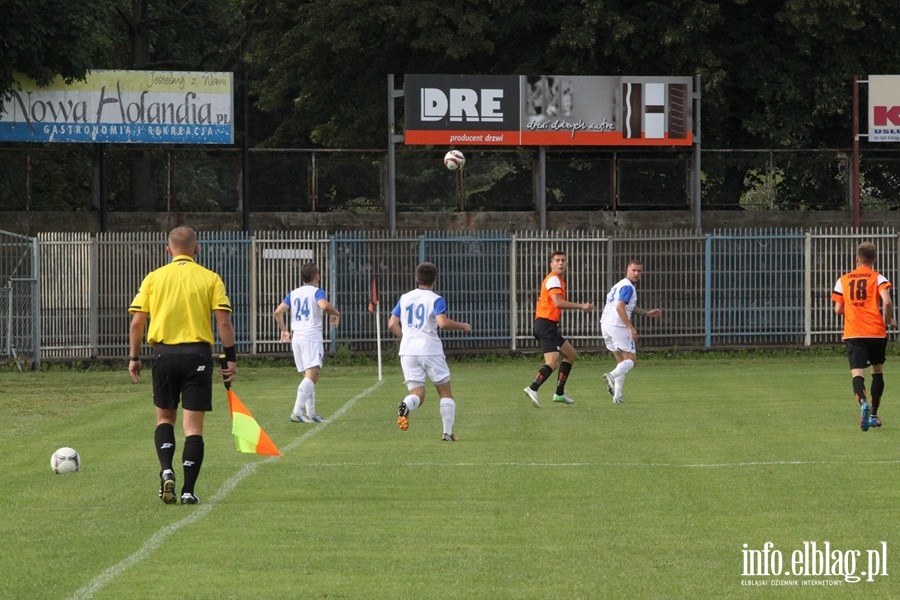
(454, 160)
(65, 460)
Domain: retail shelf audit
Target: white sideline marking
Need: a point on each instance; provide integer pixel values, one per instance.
(612, 464)
(798, 462)
(199, 511)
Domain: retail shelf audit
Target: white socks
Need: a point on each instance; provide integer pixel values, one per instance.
(308, 389)
(412, 402)
(618, 375)
(310, 392)
(622, 368)
(306, 398)
(448, 414)
(300, 402)
(447, 407)
(620, 383)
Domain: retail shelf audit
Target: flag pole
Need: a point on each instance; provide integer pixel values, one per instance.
(373, 308)
(378, 339)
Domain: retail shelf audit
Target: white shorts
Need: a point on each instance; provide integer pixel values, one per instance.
(307, 354)
(417, 368)
(618, 339)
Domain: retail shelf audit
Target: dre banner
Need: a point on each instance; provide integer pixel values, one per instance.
(547, 110)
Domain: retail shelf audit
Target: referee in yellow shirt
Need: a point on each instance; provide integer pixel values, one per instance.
(178, 299)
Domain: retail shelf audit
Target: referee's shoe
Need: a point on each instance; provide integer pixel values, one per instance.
(167, 487)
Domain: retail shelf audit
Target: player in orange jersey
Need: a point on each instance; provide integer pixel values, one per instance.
(863, 296)
(550, 304)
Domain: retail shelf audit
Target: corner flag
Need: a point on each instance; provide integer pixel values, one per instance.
(373, 299)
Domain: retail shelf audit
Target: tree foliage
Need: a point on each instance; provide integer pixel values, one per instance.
(43, 39)
(775, 73)
(183, 35)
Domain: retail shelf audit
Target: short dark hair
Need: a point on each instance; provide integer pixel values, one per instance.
(867, 252)
(557, 253)
(308, 272)
(426, 273)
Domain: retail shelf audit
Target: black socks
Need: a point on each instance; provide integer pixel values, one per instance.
(192, 460)
(164, 438)
(564, 369)
(543, 373)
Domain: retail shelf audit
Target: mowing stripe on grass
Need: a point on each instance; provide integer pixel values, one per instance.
(198, 512)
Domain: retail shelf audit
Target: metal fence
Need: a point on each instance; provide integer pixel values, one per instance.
(167, 179)
(65, 295)
(19, 300)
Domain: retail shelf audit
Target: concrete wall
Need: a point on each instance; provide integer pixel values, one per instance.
(31, 223)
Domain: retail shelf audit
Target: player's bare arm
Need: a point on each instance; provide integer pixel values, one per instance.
(226, 336)
(559, 302)
(135, 337)
(623, 316)
(395, 327)
(279, 318)
(445, 322)
(887, 308)
(329, 309)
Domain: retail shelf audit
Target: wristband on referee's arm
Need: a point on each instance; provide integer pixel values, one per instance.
(230, 354)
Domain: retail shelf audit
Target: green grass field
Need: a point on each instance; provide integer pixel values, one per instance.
(654, 498)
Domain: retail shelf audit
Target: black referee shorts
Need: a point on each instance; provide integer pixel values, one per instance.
(183, 372)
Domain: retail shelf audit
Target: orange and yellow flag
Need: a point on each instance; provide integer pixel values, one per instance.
(248, 435)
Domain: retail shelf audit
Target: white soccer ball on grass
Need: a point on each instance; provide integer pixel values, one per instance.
(65, 460)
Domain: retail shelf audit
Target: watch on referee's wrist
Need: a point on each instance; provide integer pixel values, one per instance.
(134, 358)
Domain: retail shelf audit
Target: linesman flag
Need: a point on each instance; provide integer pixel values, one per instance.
(248, 435)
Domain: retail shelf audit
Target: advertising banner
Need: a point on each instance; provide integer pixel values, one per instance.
(548, 110)
(884, 108)
(124, 107)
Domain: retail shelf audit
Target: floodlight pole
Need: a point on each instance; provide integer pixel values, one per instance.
(393, 138)
(695, 172)
(245, 151)
(542, 187)
(35, 302)
(855, 168)
(102, 204)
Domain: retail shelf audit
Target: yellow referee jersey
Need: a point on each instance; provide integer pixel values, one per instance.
(180, 298)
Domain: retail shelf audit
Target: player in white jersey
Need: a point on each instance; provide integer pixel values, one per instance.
(306, 307)
(619, 332)
(415, 320)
